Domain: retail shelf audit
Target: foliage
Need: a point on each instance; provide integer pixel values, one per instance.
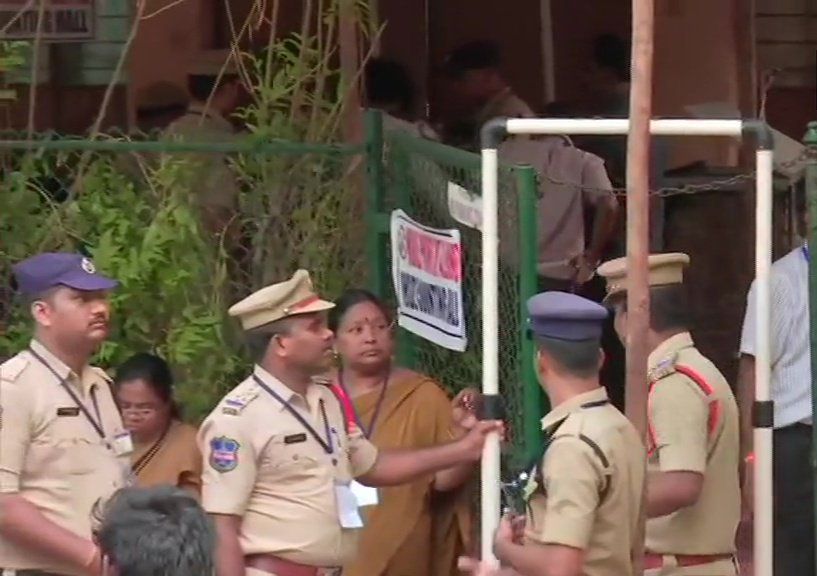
(172, 281)
(136, 215)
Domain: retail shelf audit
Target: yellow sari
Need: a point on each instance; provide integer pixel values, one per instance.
(413, 531)
(174, 459)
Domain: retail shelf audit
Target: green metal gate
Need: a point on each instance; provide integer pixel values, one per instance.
(413, 174)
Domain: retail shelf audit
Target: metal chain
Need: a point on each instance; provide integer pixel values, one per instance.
(708, 186)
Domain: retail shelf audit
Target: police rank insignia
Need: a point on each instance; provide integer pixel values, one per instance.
(223, 454)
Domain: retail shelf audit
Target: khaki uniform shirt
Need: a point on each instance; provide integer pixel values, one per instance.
(679, 413)
(587, 501)
(215, 183)
(506, 104)
(263, 465)
(570, 181)
(50, 454)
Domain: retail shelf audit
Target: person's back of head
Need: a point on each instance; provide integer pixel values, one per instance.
(612, 53)
(160, 531)
(474, 55)
(474, 70)
(389, 87)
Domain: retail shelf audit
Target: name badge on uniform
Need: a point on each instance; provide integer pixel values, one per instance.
(366, 495)
(348, 510)
(122, 444)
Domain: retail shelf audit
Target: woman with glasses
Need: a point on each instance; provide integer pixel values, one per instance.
(165, 450)
(415, 529)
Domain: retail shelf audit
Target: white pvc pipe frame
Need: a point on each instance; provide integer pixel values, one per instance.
(492, 134)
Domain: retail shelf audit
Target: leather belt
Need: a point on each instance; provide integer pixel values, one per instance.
(280, 567)
(652, 560)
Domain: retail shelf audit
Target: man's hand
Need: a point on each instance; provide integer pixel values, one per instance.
(463, 410)
(584, 266)
(511, 531)
(473, 442)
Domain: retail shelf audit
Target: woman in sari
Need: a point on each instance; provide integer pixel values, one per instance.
(417, 529)
(165, 450)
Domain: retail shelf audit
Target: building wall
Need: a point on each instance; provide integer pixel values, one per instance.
(169, 36)
(685, 71)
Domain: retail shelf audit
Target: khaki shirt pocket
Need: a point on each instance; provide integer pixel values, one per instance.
(302, 462)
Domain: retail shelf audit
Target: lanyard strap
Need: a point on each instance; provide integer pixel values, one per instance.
(325, 444)
(368, 431)
(96, 423)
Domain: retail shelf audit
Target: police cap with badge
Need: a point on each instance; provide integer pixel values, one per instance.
(268, 305)
(48, 270)
(663, 270)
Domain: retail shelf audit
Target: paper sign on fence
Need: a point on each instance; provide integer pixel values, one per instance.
(427, 276)
(464, 207)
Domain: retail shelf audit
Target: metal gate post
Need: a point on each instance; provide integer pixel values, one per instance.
(492, 135)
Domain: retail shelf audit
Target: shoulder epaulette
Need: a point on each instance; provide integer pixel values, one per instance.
(323, 381)
(102, 374)
(11, 369)
(236, 401)
(664, 368)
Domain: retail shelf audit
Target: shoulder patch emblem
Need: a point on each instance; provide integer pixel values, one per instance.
(11, 369)
(223, 454)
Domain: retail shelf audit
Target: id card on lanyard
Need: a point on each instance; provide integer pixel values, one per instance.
(366, 495)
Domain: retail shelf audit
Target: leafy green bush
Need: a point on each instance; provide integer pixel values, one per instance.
(135, 215)
(172, 280)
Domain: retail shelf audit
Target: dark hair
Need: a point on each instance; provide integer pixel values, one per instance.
(669, 307)
(155, 372)
(351, 298)
(44, 295)
(201, 86)
(160, 531)
(613, 53)
(579, 358)
(388, 82)
(475, 55)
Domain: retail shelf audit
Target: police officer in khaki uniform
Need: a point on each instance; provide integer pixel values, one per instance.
(63, 449)
(474, 72)
(584, 496)
(693, 493)
(281, 452)
(215, 88)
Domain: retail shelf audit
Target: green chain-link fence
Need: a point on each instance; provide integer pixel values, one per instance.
(414, 176)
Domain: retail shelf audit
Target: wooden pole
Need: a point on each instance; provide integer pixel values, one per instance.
(638, 184)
